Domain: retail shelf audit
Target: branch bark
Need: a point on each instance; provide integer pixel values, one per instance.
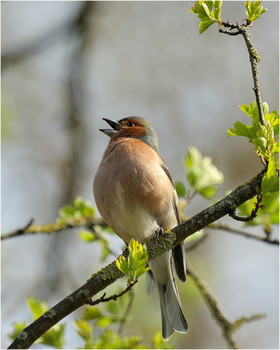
(155, 247)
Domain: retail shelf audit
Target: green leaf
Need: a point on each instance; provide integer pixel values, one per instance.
(160, 343)
(87, 236)
(112, 307)
(180, 189)
(202, 176)
(38, 308)
(240, 129)
(209, 12)
(267, 216)
(270, 181)
(111, 340)
(85, 331)
(81, 208)
(18, 327)
(104, 321)
(54, 336)
(254, 9)
(135, 265)
(264, 137)
(91, 313)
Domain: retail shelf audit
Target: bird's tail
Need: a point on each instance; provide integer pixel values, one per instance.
(171, 311)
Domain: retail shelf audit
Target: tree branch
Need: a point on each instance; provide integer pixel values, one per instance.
(227, 228)
(235, 29)
(111, 273)
(55, 227)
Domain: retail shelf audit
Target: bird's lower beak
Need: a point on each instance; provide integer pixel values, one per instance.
(114, 124)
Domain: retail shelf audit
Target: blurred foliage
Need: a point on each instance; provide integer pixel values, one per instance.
(80, 208)
(91, 321)
(268, 214)
(202, 175)
(53, 337)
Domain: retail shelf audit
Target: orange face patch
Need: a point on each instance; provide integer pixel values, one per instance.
(131, 128)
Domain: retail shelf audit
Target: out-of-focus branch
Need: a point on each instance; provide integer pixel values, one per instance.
(54, 227)
(42, 43)
(227, 327)
(227, 228)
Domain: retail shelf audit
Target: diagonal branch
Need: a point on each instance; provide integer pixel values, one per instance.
(156, 246)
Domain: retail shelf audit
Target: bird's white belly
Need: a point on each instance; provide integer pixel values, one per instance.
(132, 221)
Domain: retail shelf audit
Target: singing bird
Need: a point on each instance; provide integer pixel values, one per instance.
(135, 195)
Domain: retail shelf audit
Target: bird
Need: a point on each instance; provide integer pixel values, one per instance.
(135, 195)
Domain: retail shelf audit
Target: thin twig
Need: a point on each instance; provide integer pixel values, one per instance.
(112, 297)
(254, 60)
(253, 56)
(18, 232)
(55, 227)
(254, 211)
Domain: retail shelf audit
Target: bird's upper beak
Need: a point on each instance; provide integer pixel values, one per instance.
(114, 124)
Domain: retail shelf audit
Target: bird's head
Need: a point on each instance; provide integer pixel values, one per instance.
(134, 127)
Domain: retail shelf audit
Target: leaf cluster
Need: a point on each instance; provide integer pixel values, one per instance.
(265, 139)
(202, 176)
(254, 10)
(136, 263)
(209, 12)
(80, 208)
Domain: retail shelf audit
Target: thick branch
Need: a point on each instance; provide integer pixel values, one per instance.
(155, 246)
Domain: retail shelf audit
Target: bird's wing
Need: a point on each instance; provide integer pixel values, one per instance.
(178, 252)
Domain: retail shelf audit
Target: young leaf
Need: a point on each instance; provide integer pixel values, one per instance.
(135, 265)
(87, 236)
(203, 176)
(254, 10)
(180, 189)
(18, 327)
(80, 208)
(209, 12)
(270, 182)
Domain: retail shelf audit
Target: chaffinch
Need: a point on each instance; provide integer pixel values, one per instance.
(135, 195)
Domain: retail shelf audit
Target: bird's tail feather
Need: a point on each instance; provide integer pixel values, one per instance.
(171, 311)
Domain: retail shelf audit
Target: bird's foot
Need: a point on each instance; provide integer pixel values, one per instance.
(158, 232)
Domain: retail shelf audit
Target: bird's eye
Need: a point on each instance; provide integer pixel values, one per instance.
(130, 124)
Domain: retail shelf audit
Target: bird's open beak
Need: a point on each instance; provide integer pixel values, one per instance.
(114, 124)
